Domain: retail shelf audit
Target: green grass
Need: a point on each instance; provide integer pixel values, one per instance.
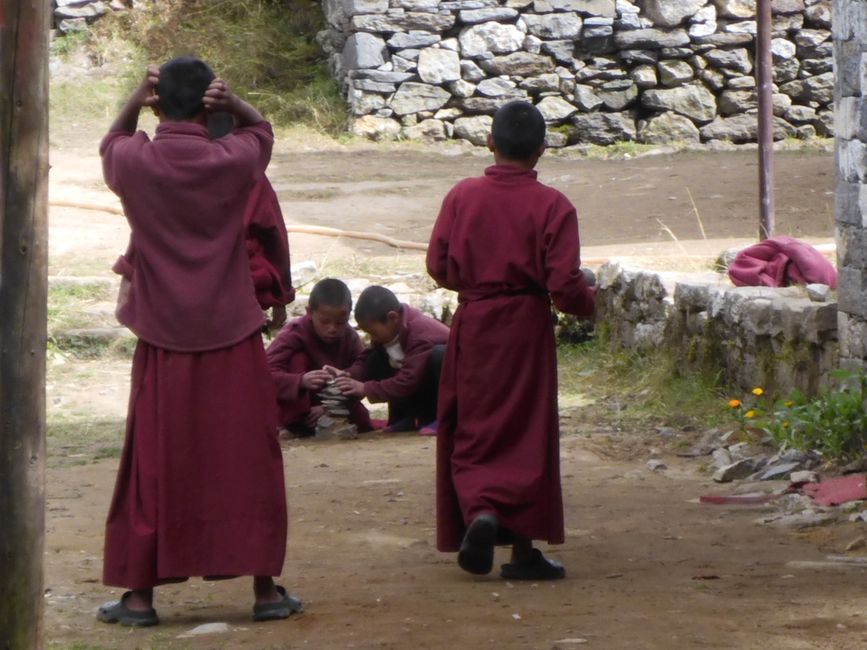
(635, 390)
(67, 304)
(79, 441)
(265, 49)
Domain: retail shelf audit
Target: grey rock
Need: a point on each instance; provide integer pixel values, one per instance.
(666, 13)
(720, 457)
(617, 100)
(781, 103)
(639, 56)
(742, 27)
(428, 130)
(786, 70)
(737, 101)
(742, 128)
(472, 72)
(87, 11)
(800, 114)
(437, 66)
(403, 65)
(811, 38)
(804, 476)
(368, 85)
(364, 50)
(416, 5)
(656, 465)
(533, 44)
(542, 84)
(462, 88)
(819, 15)
(667, 127)
(651, 38)
(816, 66)
(741, 83)
(70, 25)
(783, 49)
(362, 103)
(787, 6)
(628, 22)
(495, 38)
(496, 87)
(820, 88)
(412, 40)
(556, 140)
(722, 39)
(555, 109)
(553, 26)
(805, 519)
(675, 53)
(375, 128)
(738, 60)
(779, 471)
(586, 99)
(736, 8)
(472, 16)
(585, 7)
(644, 76)
(483, 105)
(818, 292)
(737, 470)
(604, 128)
(697, 30)
(406, 22)
(355, 7)
(381, 76)
(674, 73)
(414, 97)
(562, 51)
(522, 64)
(692, 100)
(474, 129)
(787, 23)
(447, 114)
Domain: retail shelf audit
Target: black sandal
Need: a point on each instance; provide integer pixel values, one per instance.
(116, 611)
(477, 549)
(281, 609)
(537, 568)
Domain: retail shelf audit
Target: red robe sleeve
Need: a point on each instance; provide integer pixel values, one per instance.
(268, 247)
(406, 381)
(287, 363)
(563, 277)
(438, 249)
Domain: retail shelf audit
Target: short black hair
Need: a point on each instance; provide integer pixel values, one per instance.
(183, 82)
(374, 303)
(330, 293)
(518, 130)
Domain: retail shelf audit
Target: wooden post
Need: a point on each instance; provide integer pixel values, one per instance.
(23, 261)
(764, 81)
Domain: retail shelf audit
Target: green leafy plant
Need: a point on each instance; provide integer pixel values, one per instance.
(833, 423)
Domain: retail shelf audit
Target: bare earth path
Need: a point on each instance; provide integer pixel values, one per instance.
(648, 566)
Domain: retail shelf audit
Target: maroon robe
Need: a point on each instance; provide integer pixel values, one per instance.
(200, 487)
(505, 243)
(418, 335)
(268, 247)
(297, 350)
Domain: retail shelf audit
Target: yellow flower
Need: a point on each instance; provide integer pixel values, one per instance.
(789, 404)
(750, 414)
(734, 403)
(758, 392)
(785, 425)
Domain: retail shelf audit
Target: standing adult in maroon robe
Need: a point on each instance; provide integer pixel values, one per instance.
(200, 487)
(509, 246)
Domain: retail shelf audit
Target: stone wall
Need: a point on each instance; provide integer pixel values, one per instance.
(76, 15)
(599, 70)
(850, 43)
(751, 336)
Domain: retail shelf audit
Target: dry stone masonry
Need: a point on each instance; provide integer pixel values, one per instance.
(748, 336)
(850, 43)
(601, 71)
(76, 15)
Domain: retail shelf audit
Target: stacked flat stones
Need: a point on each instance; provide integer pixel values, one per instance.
(600, 71)
(76, 15)
(335, 423)
(850, 41)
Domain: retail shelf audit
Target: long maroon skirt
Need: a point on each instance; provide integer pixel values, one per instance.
(200, 487)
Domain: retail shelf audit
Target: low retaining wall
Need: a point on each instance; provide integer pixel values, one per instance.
(600, 71)
(779, 339)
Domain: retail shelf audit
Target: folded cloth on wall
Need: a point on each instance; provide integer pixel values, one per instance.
(779, 262)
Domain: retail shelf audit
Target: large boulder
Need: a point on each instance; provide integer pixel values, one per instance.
(363, 50)
(743, 128)
(604, 128)
(413, 97)
(474, 129)
(377, 128)
(521, 64)
(668, 13)
(437, 65)
(667, 127)
(692, 100)
(495, 38)
(553, 26)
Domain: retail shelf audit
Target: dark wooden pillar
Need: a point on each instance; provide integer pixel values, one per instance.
(24, 28)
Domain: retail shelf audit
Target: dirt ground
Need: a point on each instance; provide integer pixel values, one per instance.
(649, 567)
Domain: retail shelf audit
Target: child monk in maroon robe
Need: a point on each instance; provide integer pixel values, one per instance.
(299, 353)
(402, 364)
(200, 488)
(509, 246)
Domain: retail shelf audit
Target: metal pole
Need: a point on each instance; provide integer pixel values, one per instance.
(23, 262)
(764, 81)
